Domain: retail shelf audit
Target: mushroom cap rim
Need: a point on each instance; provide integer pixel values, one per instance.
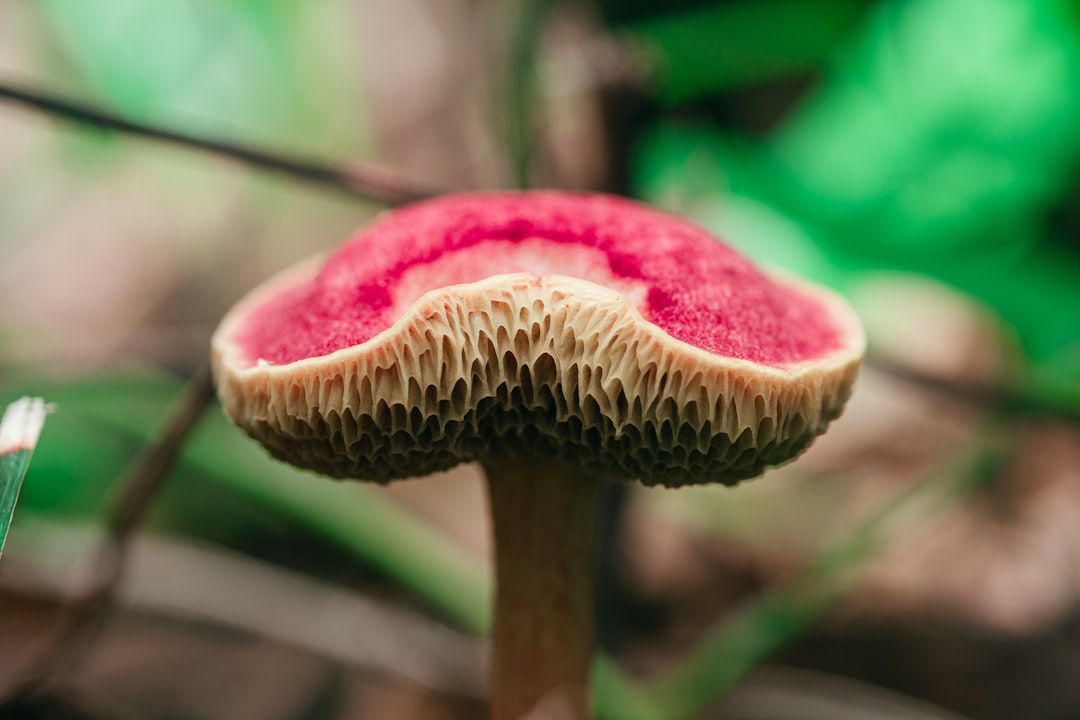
(226, 351)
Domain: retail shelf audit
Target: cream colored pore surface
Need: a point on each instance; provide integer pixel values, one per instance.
(523, 366)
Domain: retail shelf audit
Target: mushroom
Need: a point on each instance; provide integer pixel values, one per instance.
(551, 337)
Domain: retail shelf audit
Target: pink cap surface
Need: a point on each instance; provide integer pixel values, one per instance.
(677, 276)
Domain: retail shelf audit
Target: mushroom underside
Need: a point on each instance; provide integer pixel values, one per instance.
(554, 369)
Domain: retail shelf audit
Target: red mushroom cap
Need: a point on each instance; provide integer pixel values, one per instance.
(582, 327)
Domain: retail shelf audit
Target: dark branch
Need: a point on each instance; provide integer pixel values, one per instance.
(147, 473)
(367, 182)
(979, 395)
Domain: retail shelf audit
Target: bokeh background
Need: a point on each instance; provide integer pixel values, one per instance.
(920, 156)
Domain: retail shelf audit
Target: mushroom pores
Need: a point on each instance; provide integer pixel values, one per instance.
(583, 328)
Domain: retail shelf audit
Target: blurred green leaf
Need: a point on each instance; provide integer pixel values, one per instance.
(917, 153)
(927, 148)
(704, 50)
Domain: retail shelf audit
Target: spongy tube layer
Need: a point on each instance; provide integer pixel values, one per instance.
(521, 366)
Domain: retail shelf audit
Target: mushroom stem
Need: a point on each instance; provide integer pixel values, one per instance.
(544, 517)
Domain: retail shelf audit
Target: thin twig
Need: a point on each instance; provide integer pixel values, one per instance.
(142, 480)
(368, 182)
(975, 394)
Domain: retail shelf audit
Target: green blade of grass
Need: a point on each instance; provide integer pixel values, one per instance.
(19, 431)
(767, 624)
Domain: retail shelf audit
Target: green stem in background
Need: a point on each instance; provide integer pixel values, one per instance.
(363, 520)
(528, 27)
(748, 638)
(370, 525)
(19, 431)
